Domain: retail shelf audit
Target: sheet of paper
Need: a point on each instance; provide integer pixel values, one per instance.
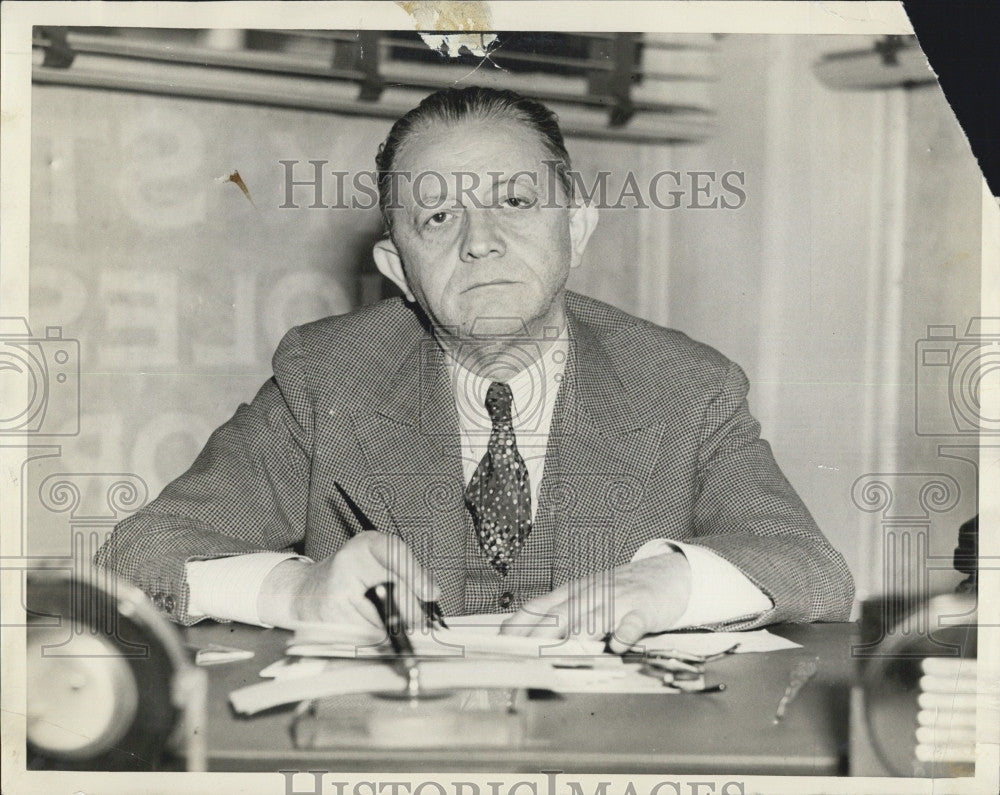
(707, 643)
(214, 654)
(704, 643)
(341, 677)
(316, 641)
(478, 636)
(296, 667)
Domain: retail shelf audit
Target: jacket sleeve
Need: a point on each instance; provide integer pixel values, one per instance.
(748, 513)
(246, 492)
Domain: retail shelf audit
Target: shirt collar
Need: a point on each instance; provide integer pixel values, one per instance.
(533, 387)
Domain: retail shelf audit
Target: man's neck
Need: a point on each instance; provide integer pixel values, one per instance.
(499, 360)
(500, 357)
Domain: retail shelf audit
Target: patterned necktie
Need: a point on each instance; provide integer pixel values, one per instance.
(498, 494)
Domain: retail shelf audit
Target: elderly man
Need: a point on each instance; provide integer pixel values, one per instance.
(516, 447)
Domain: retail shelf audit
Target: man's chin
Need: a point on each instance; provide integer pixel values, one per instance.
(486, 327)
(498, 316)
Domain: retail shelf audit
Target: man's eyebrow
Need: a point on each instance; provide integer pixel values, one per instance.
(429, 203)
(518, 179)
(428, 195)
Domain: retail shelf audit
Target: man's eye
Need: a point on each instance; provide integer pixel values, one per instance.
(438, 218)
(518, 202)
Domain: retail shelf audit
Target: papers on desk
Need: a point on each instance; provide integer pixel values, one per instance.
(478, 636)
(330, 660)
(341, 677)
(709, 643)
(324, 640)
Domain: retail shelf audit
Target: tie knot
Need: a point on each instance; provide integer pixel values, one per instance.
(498, 401)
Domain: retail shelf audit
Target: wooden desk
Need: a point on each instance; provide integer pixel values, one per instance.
(729, 732)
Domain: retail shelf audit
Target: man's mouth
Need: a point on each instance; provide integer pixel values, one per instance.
(491, 283)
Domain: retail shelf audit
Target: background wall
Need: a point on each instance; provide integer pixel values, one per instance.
(860, 229)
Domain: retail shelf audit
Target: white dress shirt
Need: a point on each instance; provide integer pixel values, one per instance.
(228, 588)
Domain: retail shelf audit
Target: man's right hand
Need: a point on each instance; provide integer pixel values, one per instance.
(333, 590)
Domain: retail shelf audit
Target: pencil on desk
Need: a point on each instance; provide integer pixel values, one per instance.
(803, 671)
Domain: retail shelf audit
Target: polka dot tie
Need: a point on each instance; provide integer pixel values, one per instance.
(499, 494)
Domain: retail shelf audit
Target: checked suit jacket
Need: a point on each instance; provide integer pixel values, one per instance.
(651, 437)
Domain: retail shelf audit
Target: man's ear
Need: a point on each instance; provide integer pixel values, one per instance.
(582, 223)
(390, 265)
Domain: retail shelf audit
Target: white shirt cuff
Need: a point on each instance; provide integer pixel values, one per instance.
(228, 588)
(719, 591)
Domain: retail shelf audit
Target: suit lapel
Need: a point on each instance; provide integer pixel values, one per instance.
(597, 464)
(411, 447)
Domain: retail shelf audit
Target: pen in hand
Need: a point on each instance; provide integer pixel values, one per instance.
(433, 615)
(404, 661)
(366, 523)
(384, 599)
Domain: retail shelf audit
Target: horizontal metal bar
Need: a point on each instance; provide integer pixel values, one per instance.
(286, 99)
(321, 35)
(585, 64)
(676, 46)
(80, 78)
(281, 63)
(905, 43)
(589, 100)
(285, 66)
(675, 77)
(256, 60)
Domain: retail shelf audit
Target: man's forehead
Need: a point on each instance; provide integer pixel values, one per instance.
(456, 183)
(477, 145)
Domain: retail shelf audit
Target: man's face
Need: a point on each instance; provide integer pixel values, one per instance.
(479, 241)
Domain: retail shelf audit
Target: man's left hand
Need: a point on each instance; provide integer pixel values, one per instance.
(629, 601)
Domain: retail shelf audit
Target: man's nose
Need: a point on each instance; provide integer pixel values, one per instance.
(482, 238)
